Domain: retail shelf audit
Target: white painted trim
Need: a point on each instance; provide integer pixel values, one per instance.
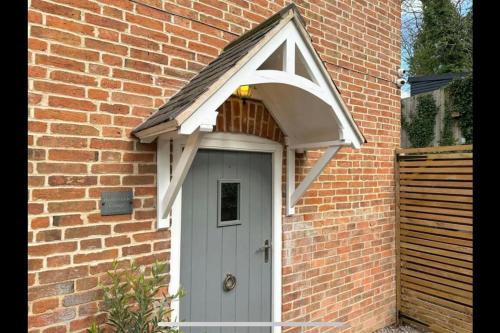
(238, 142)
(313, 174)
(162, 180)
(180, 171)
(290, 179)
(316, 145)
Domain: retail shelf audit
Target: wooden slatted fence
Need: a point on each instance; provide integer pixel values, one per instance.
(434, 238)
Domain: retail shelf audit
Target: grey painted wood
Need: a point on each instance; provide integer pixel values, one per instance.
(209, 252)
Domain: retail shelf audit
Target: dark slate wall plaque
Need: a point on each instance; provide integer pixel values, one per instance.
(116, 203)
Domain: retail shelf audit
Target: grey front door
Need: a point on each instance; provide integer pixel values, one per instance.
(226, 223)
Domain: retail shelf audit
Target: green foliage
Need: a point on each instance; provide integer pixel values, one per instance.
(132, 300)
(94, 328)
(460, 101)
(447, 138)
(444, 42)
(420, 125)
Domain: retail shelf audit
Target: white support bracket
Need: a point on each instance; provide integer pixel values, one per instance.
(294, 194)
(182, 167)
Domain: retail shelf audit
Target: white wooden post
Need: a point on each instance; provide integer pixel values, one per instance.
(290, 179)
(182, 168)
(163, 179)
(313, 174)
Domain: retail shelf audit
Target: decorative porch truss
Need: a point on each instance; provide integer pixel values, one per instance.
(278, 60)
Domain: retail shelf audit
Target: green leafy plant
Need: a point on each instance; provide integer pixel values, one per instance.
(460, 101)
(420, 125)
(447, 138)
(134, 302)
(94, 328)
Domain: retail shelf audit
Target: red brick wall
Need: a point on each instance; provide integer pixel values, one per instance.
(98, 68)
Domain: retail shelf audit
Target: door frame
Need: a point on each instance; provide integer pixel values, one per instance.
(234, 142)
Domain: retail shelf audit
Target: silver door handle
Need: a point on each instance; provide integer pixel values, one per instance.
(265, 248)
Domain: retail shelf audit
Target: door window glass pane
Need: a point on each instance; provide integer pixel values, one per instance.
(229, 202)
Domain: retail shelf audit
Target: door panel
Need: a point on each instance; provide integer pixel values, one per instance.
(209, 251)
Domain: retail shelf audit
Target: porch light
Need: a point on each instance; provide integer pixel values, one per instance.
(244, 91)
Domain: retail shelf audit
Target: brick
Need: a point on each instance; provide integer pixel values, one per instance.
(106, 46)
(72, 180)
(45, 305)
(112, 168)
(82, 298)
(66, 168)
(71, 26)
(67, 142)
(58, 261)
(64, 274)
(39, 223)
(138, 180)
(98, 94)
(55, 329)
(117, 241)
(71, 52)
(88, 309)
(138, 249)
(84, 323)
(111, 144)
(60, 115)
(90, 244)
(59, 88)
(56, 9)
(115, 108)
(36, 44)
(51, 290)
(131, 99)
(71, 103)
(130, 227)
(46, 249)
(144, 21)
(71, 206)
(48, 236)
(139, 42)
(73, 155)
(73, 78)
(86, 283)
(55, 35)
(96, 256)
(82, 232)
(74, 129)
(58, 194)
(66, 220)
(105, 22)
(35, 264)
(60, 315)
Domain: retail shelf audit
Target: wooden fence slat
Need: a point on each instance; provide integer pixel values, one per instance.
(438, 258)
(455, 212)
(437, 238)
(421, 189)
(442, 204)
(430, 183)
(437, 217)
(433, 163)
(435, 176)
(436, 279)
(456, 170)
(442, 302)
(437, 224)
(437, 289)
(439, 245)
(436, 197)
(438, 272)
(438, 231)
(428, 249)
(442, 266)
(430, 150)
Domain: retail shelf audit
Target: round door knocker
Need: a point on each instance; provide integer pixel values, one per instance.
(229, 282)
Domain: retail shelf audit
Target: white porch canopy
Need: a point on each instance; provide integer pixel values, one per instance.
(278, 60)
